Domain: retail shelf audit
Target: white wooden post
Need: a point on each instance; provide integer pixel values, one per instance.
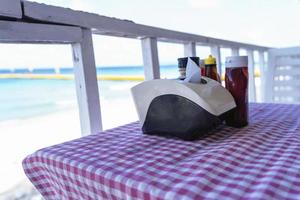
(86, 84)
(251, 70)
(262, 73)
(190, 49)
(150, 58)
(270, 71)
(235, 52)
(216, 52)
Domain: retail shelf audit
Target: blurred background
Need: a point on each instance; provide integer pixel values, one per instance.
(39, 113)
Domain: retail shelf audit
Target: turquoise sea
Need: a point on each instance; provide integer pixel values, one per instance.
(23, 98)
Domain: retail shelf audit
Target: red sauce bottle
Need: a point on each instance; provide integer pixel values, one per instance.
(236, 81)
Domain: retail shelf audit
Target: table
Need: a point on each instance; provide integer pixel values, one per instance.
(260, 161)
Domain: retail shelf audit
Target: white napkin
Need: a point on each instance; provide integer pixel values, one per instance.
(193, 74)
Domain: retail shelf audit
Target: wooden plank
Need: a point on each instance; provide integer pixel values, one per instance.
(261, 61)
(282, 62)
(11, 9)
(288, 72)
(287, 93)
(286, 100)
(262, 69)
(190, 49)
(286, 61)
(150, 58)
(269, 85)
(251, 69)
(235, 51)
(18, 32)
(86, 85)
(291, 51)
(292, 83)
(216, 52)
(116, 27)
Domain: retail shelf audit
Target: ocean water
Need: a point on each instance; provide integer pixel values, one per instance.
(23, 98)
(166, 70)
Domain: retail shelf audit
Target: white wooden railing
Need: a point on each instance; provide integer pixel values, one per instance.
(39, 23)
(283, 76)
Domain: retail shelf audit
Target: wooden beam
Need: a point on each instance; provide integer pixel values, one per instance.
(11, 9)
(288, 93)
(117, 27)
(235, 52)
(216, 52)
(262, 69)
(251, 69)
(293, 71)
(150, 58)
(86, 85)
(292, 83)
(18, 32)
(288, 61)
(270, 71)
(290, 51)
(190, 49)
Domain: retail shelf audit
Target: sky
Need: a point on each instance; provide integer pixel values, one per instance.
(273, 23)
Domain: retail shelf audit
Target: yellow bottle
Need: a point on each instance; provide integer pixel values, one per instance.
(211, 68)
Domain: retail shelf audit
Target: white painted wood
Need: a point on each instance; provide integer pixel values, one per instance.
(235, 52)
(11, 8)
(261, 61)
(291, 83)
(123, 28)
(150, 58)
(262, 70)
(18, 32)
(216, 52)
(190, 49)
(251, 69)
(283, 72)
(86, 85)
(269, 85)
(286, 93)
(291, 51)
(285, 61)
(295, 71)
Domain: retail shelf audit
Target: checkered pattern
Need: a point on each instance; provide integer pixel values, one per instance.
(261, 161)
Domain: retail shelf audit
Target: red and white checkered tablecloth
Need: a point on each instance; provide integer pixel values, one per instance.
(261, 161)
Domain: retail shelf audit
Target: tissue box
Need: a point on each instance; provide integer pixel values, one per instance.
(181, 109)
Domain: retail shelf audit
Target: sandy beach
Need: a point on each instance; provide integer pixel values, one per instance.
(24, 136)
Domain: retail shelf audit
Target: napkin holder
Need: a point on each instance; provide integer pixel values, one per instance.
(181, 109)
